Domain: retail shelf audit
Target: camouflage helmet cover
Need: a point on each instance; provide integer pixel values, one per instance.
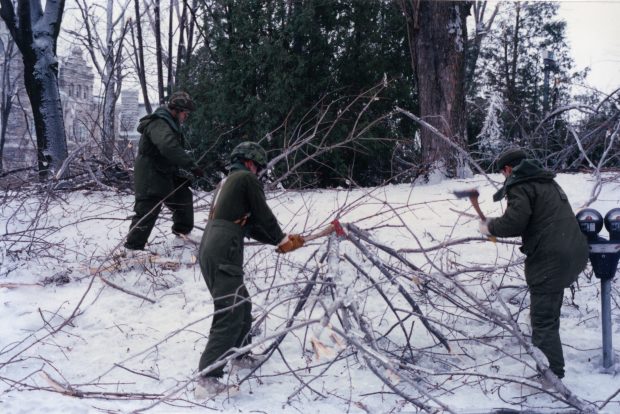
(249, 150)
(181, 100)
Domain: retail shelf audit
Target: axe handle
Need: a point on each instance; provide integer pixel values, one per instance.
(325, 232)
(476, 205)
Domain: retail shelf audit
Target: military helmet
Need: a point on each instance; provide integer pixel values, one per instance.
(249, 150)
(509, 156)
(182, 101)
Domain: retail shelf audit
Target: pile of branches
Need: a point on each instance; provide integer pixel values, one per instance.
(419, 344)
(76, 174)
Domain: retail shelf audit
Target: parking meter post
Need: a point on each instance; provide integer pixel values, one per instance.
(604, 256)
(612, 224)
(608, 351)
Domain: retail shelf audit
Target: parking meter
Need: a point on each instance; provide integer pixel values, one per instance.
(604, 256)
(612, 224)
(590, 222)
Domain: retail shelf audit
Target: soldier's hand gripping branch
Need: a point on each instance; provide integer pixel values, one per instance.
(291, 242)
(295, 241)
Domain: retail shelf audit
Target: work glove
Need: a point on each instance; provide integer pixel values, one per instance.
(484, 227)
(198, 172)
(290, 243)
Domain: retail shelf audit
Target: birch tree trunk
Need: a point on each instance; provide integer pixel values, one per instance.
(35, 32)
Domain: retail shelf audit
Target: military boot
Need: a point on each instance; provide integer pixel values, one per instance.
(124, 252)
(207, 387)
(184, 241)
(248, 361)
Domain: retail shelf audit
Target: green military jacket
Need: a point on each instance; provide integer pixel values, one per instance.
(538, 211)
(160, 153)
(241, 195)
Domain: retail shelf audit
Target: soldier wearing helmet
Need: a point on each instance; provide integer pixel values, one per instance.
(556, 250)
(239, 209)
(161, 153)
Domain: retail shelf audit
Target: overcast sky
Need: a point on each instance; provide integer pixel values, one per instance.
(593, 28)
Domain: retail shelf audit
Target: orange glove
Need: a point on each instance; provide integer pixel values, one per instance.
(290, 243)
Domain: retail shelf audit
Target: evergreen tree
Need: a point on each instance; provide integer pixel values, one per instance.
(511, 63)
(277, 72)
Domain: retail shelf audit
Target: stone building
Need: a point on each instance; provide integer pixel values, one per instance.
(80, 109)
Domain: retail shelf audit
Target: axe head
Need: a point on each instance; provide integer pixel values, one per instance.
(338, 228)
(472, 192)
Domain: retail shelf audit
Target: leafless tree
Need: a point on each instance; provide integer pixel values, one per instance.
(173, 46)
(107, 54)
(483, 24)
(138, 53)
(35, 31)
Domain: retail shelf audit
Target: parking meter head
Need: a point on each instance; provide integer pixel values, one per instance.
(612, 223)
(590, 222)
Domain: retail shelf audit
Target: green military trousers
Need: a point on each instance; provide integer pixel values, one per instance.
(147, 209)
(545, 316)
(221, 261)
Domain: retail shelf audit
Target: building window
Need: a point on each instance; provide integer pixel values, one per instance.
(79, 131)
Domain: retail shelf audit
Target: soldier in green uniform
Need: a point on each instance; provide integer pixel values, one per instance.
(160, 154)
(239, 209)
(556, 250)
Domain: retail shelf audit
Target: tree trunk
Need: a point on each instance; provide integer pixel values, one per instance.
(158, 53)
(41, 81)
(190, 33)
(139, 57)
(181, 45)
(35, 35)
(109, 95)
(8, 92)
(169, 60)
(438, 36)
(483, 27)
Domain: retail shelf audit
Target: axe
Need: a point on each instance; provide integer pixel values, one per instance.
(473, 194)
(334, 226)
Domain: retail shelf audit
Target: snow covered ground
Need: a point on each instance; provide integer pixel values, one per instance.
(71, 343)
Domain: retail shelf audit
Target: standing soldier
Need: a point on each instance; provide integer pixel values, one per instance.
(160, 154)
(556, 250)
(239, 209)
